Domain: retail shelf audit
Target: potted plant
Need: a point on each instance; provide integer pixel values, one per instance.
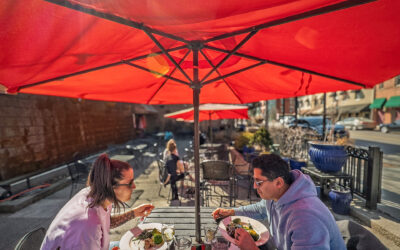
(340, 200)
(243, 141)
(262, 139)
(329, 156)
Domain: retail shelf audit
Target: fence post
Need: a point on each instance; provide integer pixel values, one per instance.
(374, 177)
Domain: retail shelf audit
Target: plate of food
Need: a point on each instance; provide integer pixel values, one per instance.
(147, 236)
(256, 229)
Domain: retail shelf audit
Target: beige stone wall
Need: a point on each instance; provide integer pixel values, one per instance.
(37, 132)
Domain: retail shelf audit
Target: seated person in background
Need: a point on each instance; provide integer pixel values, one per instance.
(84, 222)
(297, 217)
(202, 138)
(175, 167)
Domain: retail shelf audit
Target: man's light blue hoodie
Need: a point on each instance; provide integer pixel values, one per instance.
(298, 220)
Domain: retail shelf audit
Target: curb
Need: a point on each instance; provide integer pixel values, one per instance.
(15, 205)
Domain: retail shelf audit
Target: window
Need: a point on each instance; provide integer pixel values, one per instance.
(359, 94)
(397, 81)
(381, 86)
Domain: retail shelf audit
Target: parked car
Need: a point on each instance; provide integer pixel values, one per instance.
(286, 120)
(387, 127)
(315, 123)
(355, 123)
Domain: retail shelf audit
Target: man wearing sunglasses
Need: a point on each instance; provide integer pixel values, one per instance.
(297, 217)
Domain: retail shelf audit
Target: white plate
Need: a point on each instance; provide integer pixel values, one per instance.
(126, 242)
(257, 226)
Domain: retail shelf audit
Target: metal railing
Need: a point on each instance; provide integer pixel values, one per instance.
(365, 165)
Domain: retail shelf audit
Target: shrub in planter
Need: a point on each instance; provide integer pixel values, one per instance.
(262, 138)
(243, 140)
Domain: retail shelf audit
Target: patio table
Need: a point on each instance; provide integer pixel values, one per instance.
(139, 147)
(183, 218)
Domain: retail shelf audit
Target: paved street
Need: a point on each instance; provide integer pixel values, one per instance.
(377, 137)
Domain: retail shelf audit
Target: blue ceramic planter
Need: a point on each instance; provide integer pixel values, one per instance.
(327, 157)
(340, 201)
(294, 164)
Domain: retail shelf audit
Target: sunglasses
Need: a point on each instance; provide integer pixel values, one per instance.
(258, 183)
(124, 184)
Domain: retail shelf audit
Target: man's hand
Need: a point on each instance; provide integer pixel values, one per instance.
(222, 212)
(143, 210)
(244, 240)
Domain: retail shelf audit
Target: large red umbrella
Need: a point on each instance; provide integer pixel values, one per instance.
(164, 52)
(212, 112)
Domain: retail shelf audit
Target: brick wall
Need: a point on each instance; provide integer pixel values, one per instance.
(37, 132)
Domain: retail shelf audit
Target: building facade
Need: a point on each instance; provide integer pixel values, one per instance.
(387, 104)
(339, 104)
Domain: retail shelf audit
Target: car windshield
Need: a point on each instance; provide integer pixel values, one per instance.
(316, 121)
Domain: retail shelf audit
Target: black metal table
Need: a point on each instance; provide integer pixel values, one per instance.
(323, 178)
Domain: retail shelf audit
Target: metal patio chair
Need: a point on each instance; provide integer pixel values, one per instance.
(162, 176)
(356, 236)
(217, 173)
(32, 240)
(78, 171)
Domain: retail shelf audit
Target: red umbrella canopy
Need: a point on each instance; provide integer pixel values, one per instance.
(164, 52)
(111, 50)
(212, 112)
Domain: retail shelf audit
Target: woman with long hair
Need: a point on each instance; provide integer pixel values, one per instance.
(177, 169)
(85, 221)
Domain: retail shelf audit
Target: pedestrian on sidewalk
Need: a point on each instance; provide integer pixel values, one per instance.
(85, 221)
(298, 219)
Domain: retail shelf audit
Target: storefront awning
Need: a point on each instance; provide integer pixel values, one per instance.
(378, 103)
(353, 108)
(393, 102)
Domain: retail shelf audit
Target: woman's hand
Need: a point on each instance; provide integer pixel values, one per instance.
(244, 240)
(143, 210)
(222, 212)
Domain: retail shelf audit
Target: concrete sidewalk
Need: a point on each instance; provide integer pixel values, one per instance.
(41, 213)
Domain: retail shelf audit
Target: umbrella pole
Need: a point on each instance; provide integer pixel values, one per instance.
(196, 102)
(324, 120)
(266, 115)
(209, 127)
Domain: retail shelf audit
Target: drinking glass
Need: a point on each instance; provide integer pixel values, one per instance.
(168, 233)
(183, 243)
(209, 234)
